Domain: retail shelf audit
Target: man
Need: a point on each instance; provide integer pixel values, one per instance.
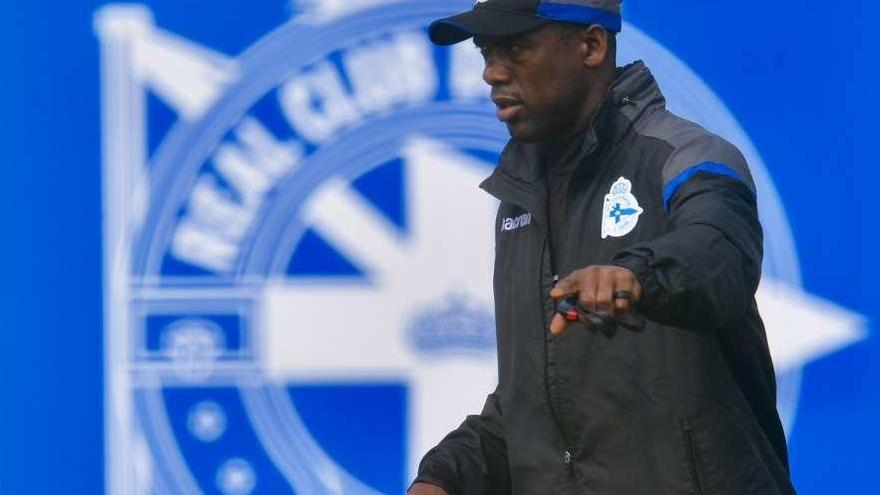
(656, 377)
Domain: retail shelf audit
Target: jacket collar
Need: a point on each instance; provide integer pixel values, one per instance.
(519, 178)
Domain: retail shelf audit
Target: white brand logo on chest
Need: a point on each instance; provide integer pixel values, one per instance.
(519, 222)
(621, 211)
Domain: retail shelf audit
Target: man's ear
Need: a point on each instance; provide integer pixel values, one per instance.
(595, 46)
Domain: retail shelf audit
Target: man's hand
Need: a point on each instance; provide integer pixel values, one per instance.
(598, 289)
(426, 489)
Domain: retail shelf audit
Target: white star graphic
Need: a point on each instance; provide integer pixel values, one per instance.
(802, 327)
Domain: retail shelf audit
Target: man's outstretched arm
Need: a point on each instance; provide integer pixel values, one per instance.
(472, 460)
(704, 271)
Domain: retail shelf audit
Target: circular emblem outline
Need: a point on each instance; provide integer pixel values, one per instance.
(210, 126)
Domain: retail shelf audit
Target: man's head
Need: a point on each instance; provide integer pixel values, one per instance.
(548, 69)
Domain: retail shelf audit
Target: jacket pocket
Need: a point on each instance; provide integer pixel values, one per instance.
(721, 457)
(694, 458)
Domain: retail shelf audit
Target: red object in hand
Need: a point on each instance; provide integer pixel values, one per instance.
(568, 311)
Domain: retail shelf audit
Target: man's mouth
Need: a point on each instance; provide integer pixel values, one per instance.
(508, 108)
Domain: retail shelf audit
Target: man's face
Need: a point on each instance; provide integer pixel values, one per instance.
(539, 82)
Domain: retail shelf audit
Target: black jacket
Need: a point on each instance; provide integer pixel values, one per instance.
(684, 405)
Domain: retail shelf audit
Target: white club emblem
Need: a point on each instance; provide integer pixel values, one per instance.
(621, 211)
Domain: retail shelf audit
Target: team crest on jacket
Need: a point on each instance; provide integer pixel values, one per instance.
(621, 211)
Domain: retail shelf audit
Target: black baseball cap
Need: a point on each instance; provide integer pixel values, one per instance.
(509, 17)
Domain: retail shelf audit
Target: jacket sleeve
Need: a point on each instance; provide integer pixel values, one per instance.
(472, 460)
(703, 273)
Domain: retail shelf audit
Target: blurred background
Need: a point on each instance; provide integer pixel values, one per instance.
(218, 218)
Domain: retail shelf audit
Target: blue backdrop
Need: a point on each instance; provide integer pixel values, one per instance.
(801, 78)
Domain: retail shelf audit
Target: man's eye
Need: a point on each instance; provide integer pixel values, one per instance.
(516, 50)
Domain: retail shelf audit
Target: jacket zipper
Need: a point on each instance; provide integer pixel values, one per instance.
(695, 462)
(500, 194)
(554, 413)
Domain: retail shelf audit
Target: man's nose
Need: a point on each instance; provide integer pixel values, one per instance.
(496, 72)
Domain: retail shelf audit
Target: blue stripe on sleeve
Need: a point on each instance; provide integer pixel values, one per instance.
(580, 14)
(708, 167)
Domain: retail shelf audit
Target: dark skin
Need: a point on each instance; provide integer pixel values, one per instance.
(553, 77)
(551, 82)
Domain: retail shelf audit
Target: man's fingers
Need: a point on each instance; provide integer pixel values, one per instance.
(624, 292)
(605, 292)
(581, 283)
(628, 292)
(621, 305)
(587, 296)
(565, 287)
(558, 325)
